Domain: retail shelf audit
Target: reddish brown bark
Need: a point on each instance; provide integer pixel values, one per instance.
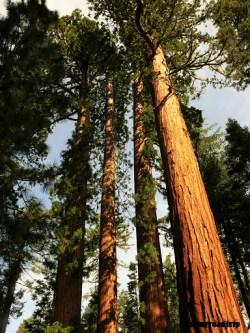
(107, 307)
(151, 292)
(204, 282)
(68, 289)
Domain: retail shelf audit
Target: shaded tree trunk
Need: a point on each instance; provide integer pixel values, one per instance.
(14, 274)
(204, 282)
(107, 307)
(154, 312)
(68, 288)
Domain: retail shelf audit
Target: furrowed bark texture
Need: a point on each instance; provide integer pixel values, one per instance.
(107, 307)
(151, 292)
(68, 289)
(204, 281)
(14, 275)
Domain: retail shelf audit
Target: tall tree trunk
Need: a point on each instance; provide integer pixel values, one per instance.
(14, 274)
(68, 289)
(155, 317)
(107, 307)
(204, 282)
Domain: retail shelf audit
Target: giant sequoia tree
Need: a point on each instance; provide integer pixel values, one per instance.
(153, 302)
(172, 45)
(87, 51)
(80, 41)
(107, 310)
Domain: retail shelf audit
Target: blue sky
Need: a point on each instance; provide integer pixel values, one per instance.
(218, 105)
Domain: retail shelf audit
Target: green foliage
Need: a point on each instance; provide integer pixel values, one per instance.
(57, 328)
(21, 237)
(194, 121)
(232, 20)
(30, 69)
(89, 318)
(172, 294)
(190, 42)
(32, 325)
(238, 139)
(129, 321)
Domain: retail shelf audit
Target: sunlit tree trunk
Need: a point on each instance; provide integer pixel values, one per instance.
(107, 307)
(153, 310)
(204, 282)
(13, 276)
(68, 288)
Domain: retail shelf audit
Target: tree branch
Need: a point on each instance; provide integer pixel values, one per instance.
(143, 33)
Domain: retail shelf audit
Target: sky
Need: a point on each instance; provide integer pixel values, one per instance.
(218, 105)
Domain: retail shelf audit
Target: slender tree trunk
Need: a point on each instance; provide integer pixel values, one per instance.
(68, 289)
(14, 275)
(107, 308)
(204, 282)
(155, 317)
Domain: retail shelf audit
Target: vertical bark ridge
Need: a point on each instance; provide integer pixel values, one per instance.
(201, 265)
(107, 308)
(152, 292)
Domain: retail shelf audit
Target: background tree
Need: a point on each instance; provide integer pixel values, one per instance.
(232, 21)
(89, 319)
(129, 316)
(153, 302)
(171, 288)
(107, 297)
(30, 68)
(82, 45)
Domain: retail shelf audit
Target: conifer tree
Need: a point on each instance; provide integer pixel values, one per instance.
(30, 67)
(83, 45)
(107, 309)
(153, 302)
(129, 317)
